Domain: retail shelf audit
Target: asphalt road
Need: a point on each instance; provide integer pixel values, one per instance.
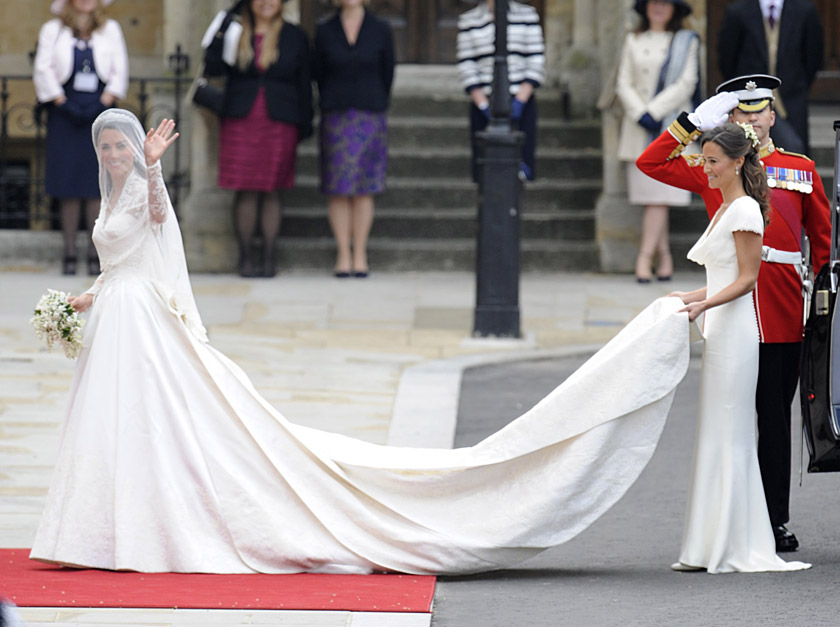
(617, 571)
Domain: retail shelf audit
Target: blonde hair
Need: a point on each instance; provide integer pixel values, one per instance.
(69, 17)
(268, 50)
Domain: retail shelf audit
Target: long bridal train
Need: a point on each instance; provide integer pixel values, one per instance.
(171, 461)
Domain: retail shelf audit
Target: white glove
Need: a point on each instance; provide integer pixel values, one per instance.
(714, 111)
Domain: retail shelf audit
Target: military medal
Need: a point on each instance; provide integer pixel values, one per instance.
(790, 179)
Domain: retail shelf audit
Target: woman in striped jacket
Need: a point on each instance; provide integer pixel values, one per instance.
(526, 70)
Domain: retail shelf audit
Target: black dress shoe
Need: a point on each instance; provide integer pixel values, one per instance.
(786, 542)
(68, 265)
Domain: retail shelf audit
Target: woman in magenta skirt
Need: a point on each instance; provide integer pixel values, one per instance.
(267, 111)
(354, 66)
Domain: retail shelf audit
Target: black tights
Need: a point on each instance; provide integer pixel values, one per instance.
(248, 207)
(70, 210)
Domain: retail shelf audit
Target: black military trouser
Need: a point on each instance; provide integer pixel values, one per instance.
(778, 375)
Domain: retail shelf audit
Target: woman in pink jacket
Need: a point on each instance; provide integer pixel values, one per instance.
(81, 69)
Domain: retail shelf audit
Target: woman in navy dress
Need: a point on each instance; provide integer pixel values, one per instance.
(354, 66)
(267, 111)
(81, 68)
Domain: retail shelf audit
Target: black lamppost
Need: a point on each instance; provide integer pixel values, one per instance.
(498, 155)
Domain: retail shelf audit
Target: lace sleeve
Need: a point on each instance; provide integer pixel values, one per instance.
(158, 196)
(97, 285)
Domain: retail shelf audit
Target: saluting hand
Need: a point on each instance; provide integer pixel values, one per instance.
(158, 140)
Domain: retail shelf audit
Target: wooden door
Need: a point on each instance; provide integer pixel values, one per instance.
(424, 30)
(826, 88)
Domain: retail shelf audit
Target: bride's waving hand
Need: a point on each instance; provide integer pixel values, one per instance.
(158, 140)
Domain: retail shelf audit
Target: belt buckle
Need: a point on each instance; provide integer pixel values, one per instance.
(765, 253)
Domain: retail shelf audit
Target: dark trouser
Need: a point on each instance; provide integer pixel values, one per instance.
(778, 375)
(785, 136)
(528, 125)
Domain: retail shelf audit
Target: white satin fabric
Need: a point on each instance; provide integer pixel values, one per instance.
(171, 461)
(727, 527)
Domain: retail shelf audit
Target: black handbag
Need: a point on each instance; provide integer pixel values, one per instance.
(208, 96)
(204, 93)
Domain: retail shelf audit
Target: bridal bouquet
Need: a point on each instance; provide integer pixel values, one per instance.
(57, 322)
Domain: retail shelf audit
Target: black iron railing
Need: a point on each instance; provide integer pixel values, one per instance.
(23, 202)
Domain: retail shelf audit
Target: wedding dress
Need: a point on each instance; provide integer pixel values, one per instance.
(171, 461)
(727, 527)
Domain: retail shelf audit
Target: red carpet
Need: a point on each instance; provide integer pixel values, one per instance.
(33, 584)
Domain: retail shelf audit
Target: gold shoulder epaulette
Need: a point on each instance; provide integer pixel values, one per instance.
(694, 159)
(794, 154)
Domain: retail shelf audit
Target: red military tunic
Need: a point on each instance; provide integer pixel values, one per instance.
(778, 292)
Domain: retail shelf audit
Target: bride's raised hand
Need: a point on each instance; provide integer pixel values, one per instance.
(158, 140)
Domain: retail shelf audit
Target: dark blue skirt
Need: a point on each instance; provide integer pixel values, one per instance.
(71, 169)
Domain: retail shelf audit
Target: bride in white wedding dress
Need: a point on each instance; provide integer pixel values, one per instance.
(171, 461)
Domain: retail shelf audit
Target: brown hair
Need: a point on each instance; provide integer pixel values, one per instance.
(734, 142)
(69, 17)
(268, 49)
(675, 24)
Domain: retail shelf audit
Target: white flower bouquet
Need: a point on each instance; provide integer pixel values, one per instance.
(56, 321)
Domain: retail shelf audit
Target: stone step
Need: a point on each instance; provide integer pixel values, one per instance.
(549, 107)
(445, 162)
(457, 192)
(411, 225)
(441, 254)
(431, 131)
(460, 192)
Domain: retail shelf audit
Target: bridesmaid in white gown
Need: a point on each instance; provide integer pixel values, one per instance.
(727, 527)
(171, 461)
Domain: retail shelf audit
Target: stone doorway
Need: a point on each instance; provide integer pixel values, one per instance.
(424, 30)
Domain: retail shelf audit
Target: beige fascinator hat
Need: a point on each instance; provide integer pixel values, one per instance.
(57, 6)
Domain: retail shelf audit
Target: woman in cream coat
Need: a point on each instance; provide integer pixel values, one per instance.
(652, 95)
(81, 69)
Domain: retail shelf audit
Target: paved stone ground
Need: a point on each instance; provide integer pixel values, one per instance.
(616, 573)
(379, 359)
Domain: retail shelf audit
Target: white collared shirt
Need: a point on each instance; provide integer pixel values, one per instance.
(777, 8)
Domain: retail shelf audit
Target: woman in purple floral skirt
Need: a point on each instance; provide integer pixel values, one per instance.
(353, 63)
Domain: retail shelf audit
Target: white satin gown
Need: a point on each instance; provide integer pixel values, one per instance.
(171, 461)
(727, 527)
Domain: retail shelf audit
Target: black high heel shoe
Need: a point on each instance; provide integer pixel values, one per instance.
(246, 265)
(68, 265)
(93, 266)
(269, 269)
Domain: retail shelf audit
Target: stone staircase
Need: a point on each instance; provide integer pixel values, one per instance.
(427, 218)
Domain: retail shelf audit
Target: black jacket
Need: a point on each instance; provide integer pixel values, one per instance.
(742, 49)
(288, 84)
(357, 76)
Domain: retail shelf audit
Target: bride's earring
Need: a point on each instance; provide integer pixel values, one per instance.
(736, 170)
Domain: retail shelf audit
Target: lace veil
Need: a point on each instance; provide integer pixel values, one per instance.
(143, 233)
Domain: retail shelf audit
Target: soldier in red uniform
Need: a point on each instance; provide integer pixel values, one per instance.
(798, 201)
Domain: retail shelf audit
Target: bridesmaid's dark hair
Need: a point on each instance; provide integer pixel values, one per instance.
(732, 139)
